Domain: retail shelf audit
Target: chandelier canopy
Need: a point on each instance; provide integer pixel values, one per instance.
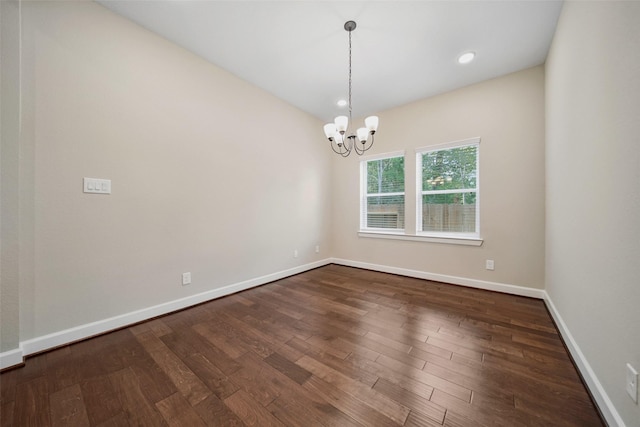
(342, 142)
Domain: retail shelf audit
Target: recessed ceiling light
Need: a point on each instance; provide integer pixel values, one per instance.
(342, 103)
(467, 57)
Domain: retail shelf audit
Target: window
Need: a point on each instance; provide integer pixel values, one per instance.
(447, 183)
(382, 193)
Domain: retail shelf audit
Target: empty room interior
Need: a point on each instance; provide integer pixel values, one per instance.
(183, 243)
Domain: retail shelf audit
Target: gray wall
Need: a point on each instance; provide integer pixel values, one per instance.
(593, 195)
(9, 174)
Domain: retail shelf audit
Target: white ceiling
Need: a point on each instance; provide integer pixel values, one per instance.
(402, 50)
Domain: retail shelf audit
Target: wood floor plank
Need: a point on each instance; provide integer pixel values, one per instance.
(424, 407)
(354, 408)
(576, 412)
(31, 407)
(418, 419)
(214, 412)
(250, 331)
(475, 413)
(184, 379)
(8, 381)
(290, 369)
(349, 367)
(68, 408)
(251, 379)
(6, 414)
(463, 350)
(232, 348)
(390, 342)
(482, 384)
(394, 376)
(250, 412)
(177, 412)
(154, 381)
(301, 408)
(118, 420)
(434, 381)
(100, 399)
(364, 393)
(325, 345)
(216, 380)
(390, 352)
(334, 346)
(138, 410)
(191, 342)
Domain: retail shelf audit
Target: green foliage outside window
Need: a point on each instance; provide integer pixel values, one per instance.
(451, 169)
(385, 175)
(385, 193)
(449, 190)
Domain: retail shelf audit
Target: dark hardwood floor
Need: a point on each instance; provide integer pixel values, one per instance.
(334, 346)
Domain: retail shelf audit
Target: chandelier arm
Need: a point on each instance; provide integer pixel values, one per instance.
(334, 148)
(344, 151)
(365, 147)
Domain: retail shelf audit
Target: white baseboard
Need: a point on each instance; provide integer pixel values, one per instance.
(11, 358)
(472, 283)
(56, 339)
(609, 412)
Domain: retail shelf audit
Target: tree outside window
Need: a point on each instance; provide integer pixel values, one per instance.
(382, 202)
(448, 190)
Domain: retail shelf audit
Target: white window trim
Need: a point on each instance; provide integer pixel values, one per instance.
(363, 192)
(439, 237)
(443, 238)
(446, 145)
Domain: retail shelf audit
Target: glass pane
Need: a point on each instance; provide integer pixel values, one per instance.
(385, 212)
(385, 175)
(449, 213)
(450, 169)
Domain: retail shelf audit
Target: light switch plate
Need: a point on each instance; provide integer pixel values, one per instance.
(632, 383)
(97, 186)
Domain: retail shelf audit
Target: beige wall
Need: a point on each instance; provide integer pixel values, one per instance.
(202, 178)
(9, 174)
(593, 199)
(507, 113)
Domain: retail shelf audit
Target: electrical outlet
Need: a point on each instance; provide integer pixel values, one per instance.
(317, 249)
(490, 265)
(295, 253)
(186, 279)
(632, 382)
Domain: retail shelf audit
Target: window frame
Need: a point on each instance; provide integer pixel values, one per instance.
(420, 192)
(364, 195)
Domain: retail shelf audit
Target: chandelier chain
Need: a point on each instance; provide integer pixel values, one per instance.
(350, 76)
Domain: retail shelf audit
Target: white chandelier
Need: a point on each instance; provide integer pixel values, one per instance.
(336, 132)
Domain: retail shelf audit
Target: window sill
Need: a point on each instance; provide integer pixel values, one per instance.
(467, 241)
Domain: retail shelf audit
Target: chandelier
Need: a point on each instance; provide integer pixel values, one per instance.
(342, 142)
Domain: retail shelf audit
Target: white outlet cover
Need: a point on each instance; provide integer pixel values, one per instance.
(186, 278)
(632, 382)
